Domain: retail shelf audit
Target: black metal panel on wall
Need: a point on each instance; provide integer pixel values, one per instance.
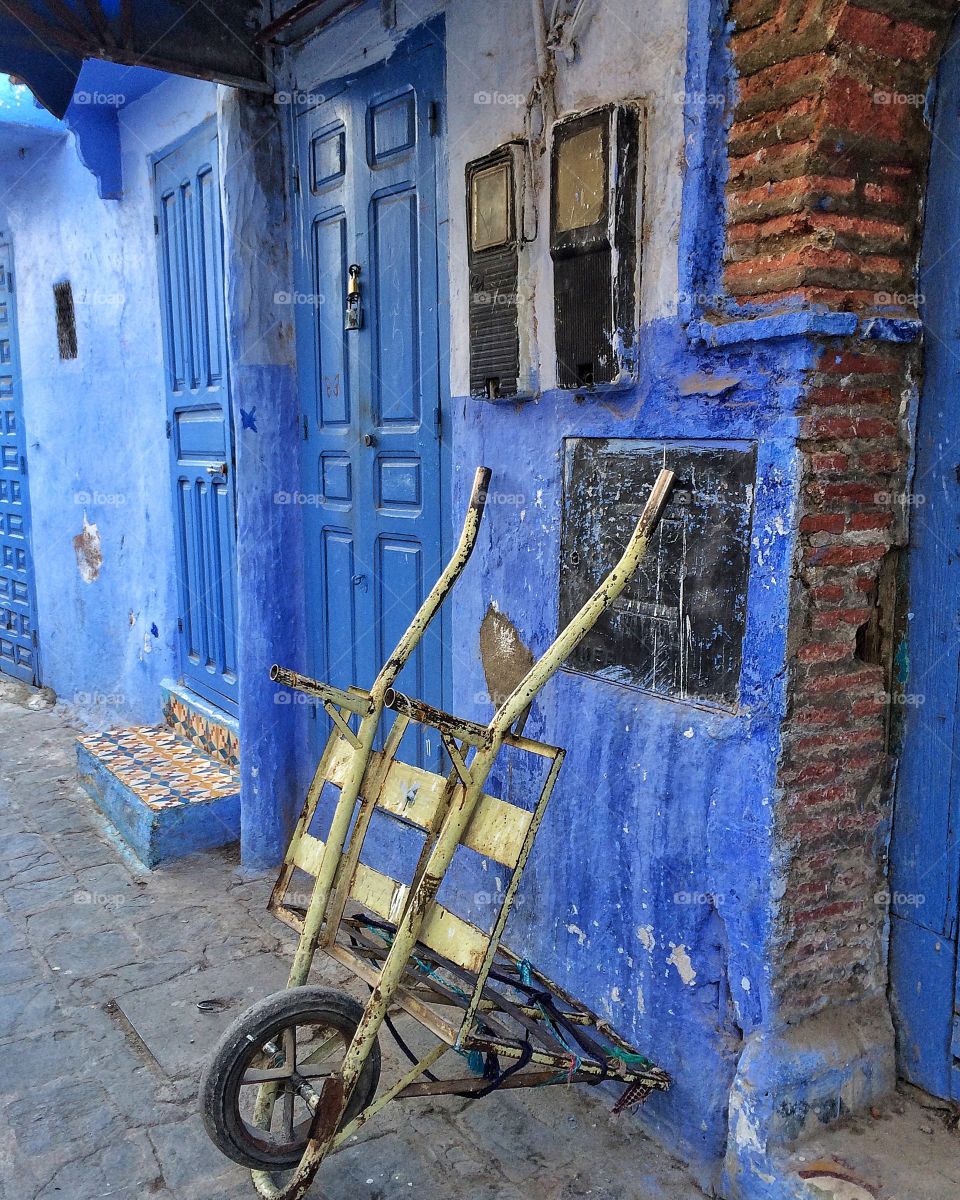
(493, 255)
(677, 629)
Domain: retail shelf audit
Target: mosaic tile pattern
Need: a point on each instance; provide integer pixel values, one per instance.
(161, 768)
(216, 740)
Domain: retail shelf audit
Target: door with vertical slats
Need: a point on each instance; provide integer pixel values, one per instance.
(18, 636)
(190, 253)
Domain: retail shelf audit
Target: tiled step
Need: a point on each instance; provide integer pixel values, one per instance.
(165, 796)
(209, 728)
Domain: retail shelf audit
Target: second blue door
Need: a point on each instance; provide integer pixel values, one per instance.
(198, 413)
(367, 317)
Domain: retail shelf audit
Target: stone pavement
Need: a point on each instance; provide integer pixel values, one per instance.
(102, 964)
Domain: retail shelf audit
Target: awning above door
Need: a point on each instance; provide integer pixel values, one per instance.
(44, 42)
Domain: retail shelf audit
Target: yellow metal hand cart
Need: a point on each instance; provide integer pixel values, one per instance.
(298, 1073)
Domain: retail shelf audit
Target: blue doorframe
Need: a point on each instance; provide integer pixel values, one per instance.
(19, 639)
(199, 422)
(368, 161)
(925, 849)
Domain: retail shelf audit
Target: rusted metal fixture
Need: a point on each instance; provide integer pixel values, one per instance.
(415, 954)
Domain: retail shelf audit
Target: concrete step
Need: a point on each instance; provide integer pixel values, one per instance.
(165, 796)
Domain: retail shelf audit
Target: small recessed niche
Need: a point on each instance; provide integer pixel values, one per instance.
(66, 319)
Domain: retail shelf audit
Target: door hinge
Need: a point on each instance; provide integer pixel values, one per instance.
(437, 421)
(296, 179)
(23, 464)
(433, 118)
(306, 430)
(179, 624)
(156, 225)
(34, 637)
(10, 280)
(169, 429)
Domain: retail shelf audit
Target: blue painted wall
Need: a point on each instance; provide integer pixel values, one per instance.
(97, 450)
(649, 893)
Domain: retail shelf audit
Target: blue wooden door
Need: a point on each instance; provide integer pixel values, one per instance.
(18, 625)
(925, 851)
(367, 159)
(190, 252)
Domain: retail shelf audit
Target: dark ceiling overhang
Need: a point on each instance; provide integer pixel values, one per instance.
(44, 42)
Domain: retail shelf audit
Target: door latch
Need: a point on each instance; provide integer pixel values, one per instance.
(353, 317)
(219, 469)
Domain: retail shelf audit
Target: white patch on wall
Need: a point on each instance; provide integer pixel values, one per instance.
(647, 940)
(679, 958)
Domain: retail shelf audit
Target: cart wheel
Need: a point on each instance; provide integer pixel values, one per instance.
(293, 1039)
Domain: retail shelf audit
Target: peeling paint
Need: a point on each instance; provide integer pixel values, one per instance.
(86, 546)
(679, 958)
(504, 656)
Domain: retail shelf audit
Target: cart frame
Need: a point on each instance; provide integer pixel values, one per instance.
(414, 953)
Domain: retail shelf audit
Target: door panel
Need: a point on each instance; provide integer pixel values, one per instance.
(198, 406)
(18, 651)
(367, 163)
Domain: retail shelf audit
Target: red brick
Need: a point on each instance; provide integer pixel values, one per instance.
(824, 652)
(822, 523)
(850, 427)
(886, 194)
(811, 797)
(829, 462)
(869, 520)
(857, 493)
(848, 362)
(881, 461)
(850, 683)
(837, 617)
(828, 593)
(836, 396)
(838, 740)
(844, 556)
(848, 105)
(869, 708)
(894, 39)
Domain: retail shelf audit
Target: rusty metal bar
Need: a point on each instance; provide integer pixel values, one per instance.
(353, 701)
(418, 710)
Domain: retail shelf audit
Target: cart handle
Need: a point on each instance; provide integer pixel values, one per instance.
(438, 593)
(611, 587)
(358, 701)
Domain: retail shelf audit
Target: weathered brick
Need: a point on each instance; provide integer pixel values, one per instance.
(823, 523)
(845, 556)
(896, 39)
(869, 520)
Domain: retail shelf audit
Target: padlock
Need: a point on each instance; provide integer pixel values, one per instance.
(353, 317)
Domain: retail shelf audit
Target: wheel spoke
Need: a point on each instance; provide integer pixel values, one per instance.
(288, 1112)
(264, 1075)
(328, 1044)
(290, 1047)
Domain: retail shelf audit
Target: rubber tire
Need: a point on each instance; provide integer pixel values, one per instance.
(263, 1020)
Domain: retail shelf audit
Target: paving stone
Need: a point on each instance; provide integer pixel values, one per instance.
(16, 968)
(92, 953)
(28, 898)
(32, 1006)
(177, 1033)
(192, 1166)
